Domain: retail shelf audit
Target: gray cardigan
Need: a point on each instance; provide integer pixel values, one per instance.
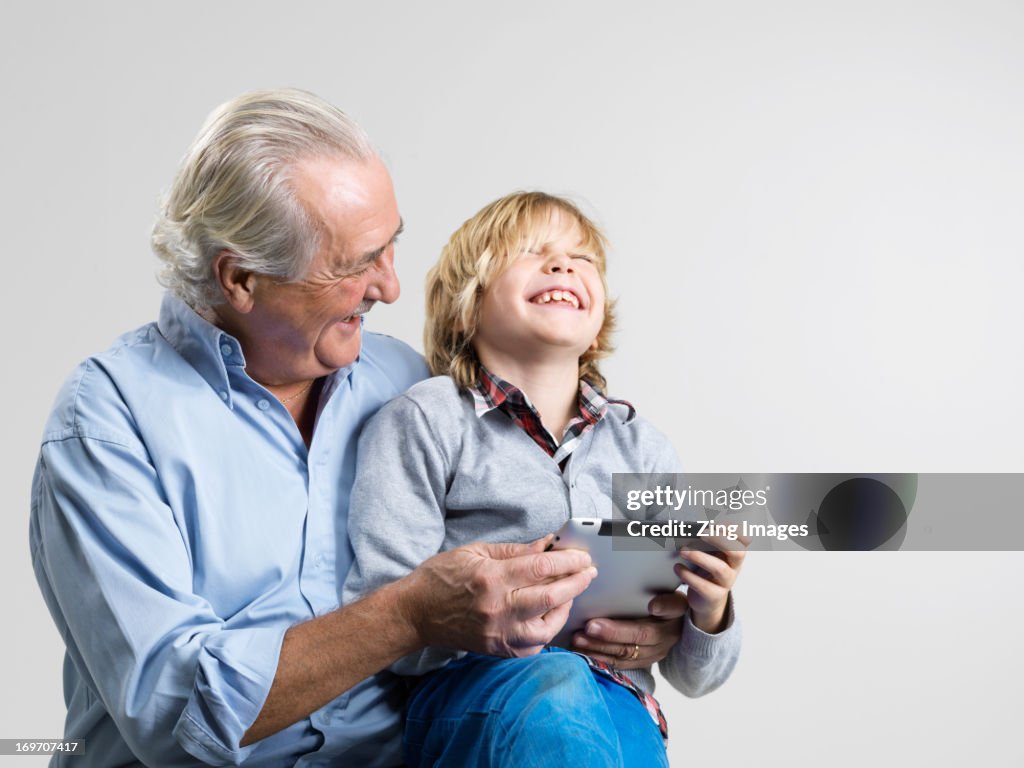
(433, 476)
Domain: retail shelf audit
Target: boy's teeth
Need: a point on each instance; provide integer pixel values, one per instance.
(549, 296)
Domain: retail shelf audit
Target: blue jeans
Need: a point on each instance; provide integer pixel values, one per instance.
(544, 710)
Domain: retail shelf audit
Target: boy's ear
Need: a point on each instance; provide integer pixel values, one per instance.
(236, 284)
(594, 345)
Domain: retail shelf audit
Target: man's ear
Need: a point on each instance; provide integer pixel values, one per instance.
(236, 284)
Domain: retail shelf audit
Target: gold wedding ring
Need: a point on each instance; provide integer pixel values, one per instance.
(636, 652)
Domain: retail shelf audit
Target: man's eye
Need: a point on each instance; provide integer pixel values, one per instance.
(353, 272)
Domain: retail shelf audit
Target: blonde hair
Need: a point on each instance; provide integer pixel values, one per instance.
(233, 190)
(475, 256)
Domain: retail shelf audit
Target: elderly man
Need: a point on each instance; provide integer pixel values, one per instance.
(190, 500)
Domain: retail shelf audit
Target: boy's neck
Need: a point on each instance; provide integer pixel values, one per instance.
(551, 385)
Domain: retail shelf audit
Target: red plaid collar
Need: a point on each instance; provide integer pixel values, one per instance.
(494, 393)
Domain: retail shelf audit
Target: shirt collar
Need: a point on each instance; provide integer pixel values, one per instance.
(212, 351)
(203, 345)
(492, 392)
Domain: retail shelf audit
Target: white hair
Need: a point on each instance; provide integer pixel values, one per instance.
(233, 191)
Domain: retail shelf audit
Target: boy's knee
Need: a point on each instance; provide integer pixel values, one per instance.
(558, 672)
(546, 704)
(551, 684)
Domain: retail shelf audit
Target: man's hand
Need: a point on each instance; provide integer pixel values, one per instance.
(635, 643)
(497, 599)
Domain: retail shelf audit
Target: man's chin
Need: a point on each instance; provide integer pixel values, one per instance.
(342, 348)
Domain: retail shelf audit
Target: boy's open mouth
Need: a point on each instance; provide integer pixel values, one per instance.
(563, 296)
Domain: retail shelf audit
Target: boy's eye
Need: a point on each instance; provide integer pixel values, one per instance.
(584, 256)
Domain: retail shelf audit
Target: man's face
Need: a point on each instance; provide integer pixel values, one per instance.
(311, 327)
(548, 303)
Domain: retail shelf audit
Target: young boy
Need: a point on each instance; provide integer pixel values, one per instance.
(511, 438)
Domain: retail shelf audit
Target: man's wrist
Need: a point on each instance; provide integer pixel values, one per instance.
(406, 603)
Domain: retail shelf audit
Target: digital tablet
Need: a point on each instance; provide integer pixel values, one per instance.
(630, 571)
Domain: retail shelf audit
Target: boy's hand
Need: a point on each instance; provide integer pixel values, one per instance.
(635, 643)
(709, 589)
(629, 644)
(497, 599)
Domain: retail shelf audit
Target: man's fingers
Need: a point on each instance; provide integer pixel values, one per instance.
(541, 544)
(506, 551)
(628, 643)
(538, 600)
(531, 635)
(529, 569)
(669, 605)
(623, 632)
(542, 629)
(620, 651)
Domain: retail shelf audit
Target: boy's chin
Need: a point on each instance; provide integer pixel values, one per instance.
(552, 350)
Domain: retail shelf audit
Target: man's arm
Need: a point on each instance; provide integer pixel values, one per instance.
(498, 599)
(175, 677)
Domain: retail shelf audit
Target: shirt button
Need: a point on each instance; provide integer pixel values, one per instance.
(223, 395)
(263, 404)
(226, 350)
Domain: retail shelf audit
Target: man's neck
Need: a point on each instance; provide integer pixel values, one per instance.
(552, 386)
(300, 398)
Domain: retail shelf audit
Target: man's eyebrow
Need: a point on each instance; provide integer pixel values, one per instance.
(368, 258)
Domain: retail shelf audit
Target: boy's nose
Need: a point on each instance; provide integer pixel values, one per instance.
(559, 262)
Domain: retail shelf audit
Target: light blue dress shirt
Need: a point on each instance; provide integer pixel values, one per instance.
(180, 526)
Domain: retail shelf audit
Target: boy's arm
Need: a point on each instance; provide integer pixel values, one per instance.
(396, 513)
(696, 646)
(709, 646)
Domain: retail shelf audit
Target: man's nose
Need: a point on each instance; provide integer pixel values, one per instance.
(383, 285)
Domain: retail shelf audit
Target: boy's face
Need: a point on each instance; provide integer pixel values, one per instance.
(547, 305)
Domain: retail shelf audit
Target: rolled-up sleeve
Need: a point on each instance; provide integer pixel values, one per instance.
(179, 681)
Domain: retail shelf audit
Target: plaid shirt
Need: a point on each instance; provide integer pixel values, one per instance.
(494, 393)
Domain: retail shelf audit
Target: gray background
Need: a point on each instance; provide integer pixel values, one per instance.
(815, 211)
